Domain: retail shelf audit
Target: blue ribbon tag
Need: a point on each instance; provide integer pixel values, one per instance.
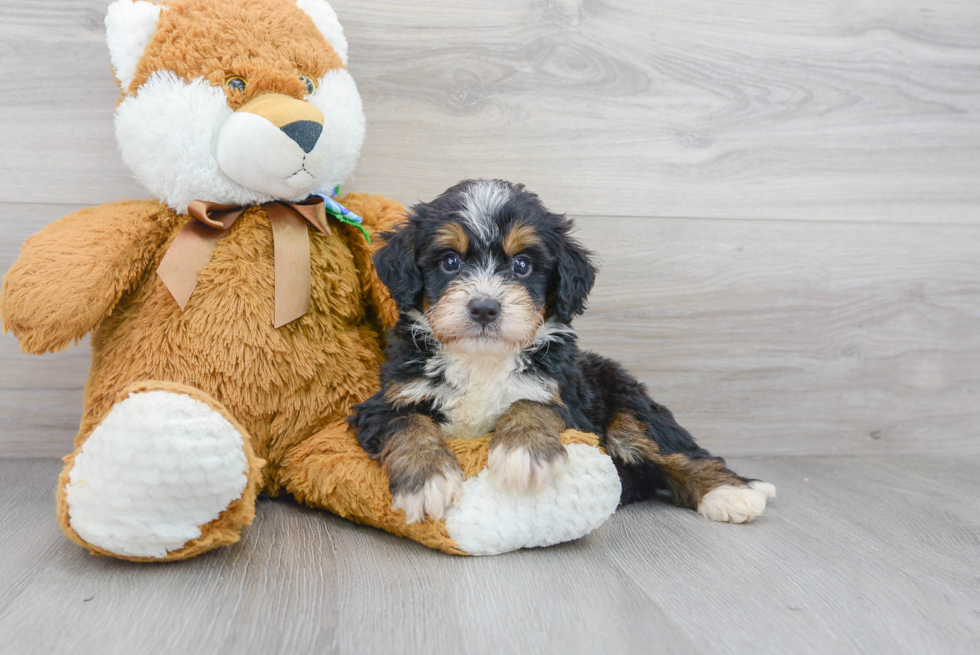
(341, 213)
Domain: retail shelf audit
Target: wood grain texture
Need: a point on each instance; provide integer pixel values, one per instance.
(868, 555)
(705, 108)
(857, 555)
(768, 337)
(764, 337)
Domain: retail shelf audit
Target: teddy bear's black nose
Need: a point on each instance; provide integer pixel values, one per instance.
(304, 133)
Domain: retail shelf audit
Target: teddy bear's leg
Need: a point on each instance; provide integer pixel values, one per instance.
(331, 471)
(166, 475)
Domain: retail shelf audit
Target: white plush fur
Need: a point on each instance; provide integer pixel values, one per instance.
(259, 156)
(490, 519)
(157, 468)
(736, 504)
(439, 492)
(327, 22)
(129, 26)
(337, 97)
(515, 469)
(169, 135)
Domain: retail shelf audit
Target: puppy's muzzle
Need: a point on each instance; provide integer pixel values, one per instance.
(484, 310)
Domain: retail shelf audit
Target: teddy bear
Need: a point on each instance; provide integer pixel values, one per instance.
(236, 317)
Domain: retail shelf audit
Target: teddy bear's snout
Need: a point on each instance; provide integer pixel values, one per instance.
(276, 145)
(300, 121)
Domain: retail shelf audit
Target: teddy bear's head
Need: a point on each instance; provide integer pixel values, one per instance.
(234, 101)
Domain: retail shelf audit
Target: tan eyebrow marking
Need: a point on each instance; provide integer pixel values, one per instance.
(452, 236)
(520, 237)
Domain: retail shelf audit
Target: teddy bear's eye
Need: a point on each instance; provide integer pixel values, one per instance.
(310, 86)
(236, 83)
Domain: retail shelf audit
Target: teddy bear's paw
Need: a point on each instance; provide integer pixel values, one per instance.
(736, 504)
(490, 519)
(437, 494)
(158, 467)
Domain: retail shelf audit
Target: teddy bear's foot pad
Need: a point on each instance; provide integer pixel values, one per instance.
(159, 466)
(491, 519)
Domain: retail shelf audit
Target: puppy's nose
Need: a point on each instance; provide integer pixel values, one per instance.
(484, 310)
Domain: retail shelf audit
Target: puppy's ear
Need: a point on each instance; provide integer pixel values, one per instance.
(573, 275)
(398, 269)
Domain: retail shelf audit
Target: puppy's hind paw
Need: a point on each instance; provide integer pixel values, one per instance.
(736, 504)
(768, 489)
(437, 493)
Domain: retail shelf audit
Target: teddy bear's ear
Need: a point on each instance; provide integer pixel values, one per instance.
(129, 26)
(325, 19)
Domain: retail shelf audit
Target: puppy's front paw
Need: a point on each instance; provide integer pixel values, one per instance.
(523, 468)
(526, 450)
(433, 499)
(736, 504)
(424, 482)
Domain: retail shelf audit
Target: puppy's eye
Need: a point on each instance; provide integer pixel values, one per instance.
(310, 84)
(450, 263)
(521, 266)
(236, 83)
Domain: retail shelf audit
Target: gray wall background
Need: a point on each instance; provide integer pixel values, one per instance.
(785, 195)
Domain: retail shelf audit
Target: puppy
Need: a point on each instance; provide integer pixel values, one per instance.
(487, 282)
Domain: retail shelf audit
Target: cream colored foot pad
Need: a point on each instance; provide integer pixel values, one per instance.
(157, 468)
(489, 519)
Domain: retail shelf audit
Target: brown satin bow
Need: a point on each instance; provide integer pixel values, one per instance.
(194, 246)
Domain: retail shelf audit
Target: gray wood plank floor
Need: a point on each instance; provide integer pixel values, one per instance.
(857, 555)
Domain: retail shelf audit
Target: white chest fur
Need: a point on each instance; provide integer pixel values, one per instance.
(476, 388)
(485, 385)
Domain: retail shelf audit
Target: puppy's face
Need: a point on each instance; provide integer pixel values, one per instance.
(485, 263)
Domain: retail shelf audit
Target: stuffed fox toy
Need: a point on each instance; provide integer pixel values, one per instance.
(236, 317)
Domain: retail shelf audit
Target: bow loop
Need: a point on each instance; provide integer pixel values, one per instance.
(220, 217)
(196, 242)
(313, 210)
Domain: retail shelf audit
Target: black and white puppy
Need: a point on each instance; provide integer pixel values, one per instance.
(487, 282)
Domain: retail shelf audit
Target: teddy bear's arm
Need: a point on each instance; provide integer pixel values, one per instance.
(380, 215)
(71, 274)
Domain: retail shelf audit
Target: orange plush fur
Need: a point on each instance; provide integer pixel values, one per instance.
(210, 40)
(94, 271)
(286, 391)
(282, 385)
